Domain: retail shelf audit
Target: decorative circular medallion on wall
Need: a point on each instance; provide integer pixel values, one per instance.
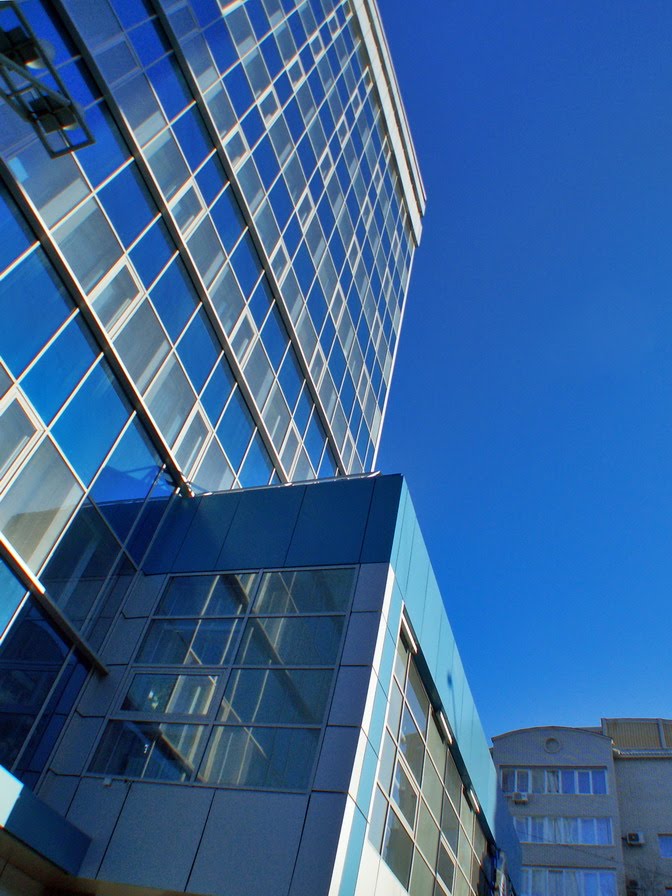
(552, 745)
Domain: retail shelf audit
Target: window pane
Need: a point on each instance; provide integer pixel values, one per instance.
(428, 834)
(584, 782)
(404, 795)
(397, 848)
(15, 433)
(417, 698)
(665, 843)
(89, 244)
(142, 345)
(265, 696)
(170, 399)
(445, 867)
(411, 744)
(225, 595)
(552, 781)
(450, 825)
(36, 508)
(432, 789)
(28, 324)
(377, 822)
(279, 758)
(298, 641)
(568, 781)
(422, 879)
(100, 399)
(134, 750)
(305, 591)
(115, 298)
(508, 780)
(189, 694)
(184, 641)
(51, 380)
(599, 781)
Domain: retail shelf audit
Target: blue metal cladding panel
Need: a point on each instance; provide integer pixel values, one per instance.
(332, 523)
(427, 613)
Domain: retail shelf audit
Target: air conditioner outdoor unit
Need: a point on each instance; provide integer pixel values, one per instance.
(635, 838)
(519, 797)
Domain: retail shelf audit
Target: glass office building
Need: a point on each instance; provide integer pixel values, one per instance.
(208, 214)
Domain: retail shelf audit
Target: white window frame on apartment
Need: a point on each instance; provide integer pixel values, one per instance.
(565, 830)
(554, 780)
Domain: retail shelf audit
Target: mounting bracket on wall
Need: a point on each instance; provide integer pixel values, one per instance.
(30, 84)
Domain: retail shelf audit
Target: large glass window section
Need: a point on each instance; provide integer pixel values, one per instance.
(426, 833)
(246, 661)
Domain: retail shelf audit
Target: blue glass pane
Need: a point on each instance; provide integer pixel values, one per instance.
(275, 338)
(211, 179)
(239, 90)
(221, 46)
(33, 304)
(227, 219)
(170, 86)
(126, 479)
(131, 12)
(198, 350)
(60, 368)
(246, 264)
(109, 151)
(91, 422)
(235, 429)
(152, 252)
(328, 465)
(314, 441)
(291, 378)
(11, 594)
(258, 467)
(192, 137)
(174, 298)
(261, 301)
(218, 390)
(16, 237)
(128, 204)
(149, 42)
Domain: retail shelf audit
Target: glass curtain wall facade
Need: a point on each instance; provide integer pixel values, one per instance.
(207, 297)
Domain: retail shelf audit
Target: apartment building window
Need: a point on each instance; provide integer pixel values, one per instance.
(568, 882)
(665, 844)
(555, 780)
(567, 830)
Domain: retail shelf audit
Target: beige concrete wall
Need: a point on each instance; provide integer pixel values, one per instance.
(645, 804)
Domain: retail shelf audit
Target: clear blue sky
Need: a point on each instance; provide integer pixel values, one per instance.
(531, 407)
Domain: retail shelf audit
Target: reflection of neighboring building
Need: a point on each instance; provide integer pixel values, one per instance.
(283, 682)
(592, 806)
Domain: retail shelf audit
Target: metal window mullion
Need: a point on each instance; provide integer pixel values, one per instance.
(64, 271)
(37, 590)
(184, 253)
(249, 220)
